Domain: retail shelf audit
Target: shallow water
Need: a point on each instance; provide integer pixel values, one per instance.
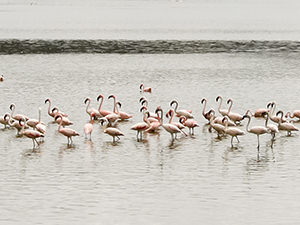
(195, 179)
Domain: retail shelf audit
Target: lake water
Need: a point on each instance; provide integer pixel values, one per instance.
(195, 180)
(151, 19)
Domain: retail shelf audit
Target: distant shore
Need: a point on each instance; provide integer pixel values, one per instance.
(38, 46)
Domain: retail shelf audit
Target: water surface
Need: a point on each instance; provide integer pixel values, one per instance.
(195, 180)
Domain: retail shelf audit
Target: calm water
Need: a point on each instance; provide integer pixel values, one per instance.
(194, 180)
(151, 19)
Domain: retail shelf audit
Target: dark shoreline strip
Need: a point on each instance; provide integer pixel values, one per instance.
(35, 46)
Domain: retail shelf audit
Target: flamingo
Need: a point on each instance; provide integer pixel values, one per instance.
(177, 124)
(88, 128)
(223, 112)
(4, 121)
(18, 116)
(142, 126)
(182, 112)
(172, 129)
(152, 116)
(102, 112)
(1, 78)
(154, 126)
(273, 128)
(232, 131)
(51, 113)
(285, 126)
(275, 119)
(235, 117)
(296, 113)
(69, 133)
(65, 120)
(258, 130)
(190, 123)
(206, 115)
(14, 124)
(123, 115)
(113, 117)
(34, 122)
(217, 127)
(114, 132)
(145, 89)
(261, 112)
(95, 112)
(33, 134)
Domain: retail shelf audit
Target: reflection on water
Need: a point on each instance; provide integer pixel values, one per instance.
(157, 180)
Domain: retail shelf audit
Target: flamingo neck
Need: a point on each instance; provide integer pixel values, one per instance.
(12, 111)
(203, 110)
(49, 113)
(88, 105)
(229, 109)
(220, 104)
(100, 104)
(247, 127)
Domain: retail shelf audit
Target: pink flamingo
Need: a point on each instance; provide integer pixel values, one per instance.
(206, 115)
(54, 114)
(177, 124)
(145, 89)
(18, 116)
(123, 115)
(154, 126)
(4, 121)
(220, 129)
(190, 123)
(65, 120)
(144, 103)
(114, 132)
(182, 112)
(14, 124)
(88, 128)
(235, 117)
(285, 126)
(232, 131)
(223, 112)
(152, 117)
(258, 130)
(261, 112)
(296, 113)
(276, 118)
(272, 127)
(172, 129)
(33, 122)
(113, 117)
(102, 112)
(69, 133)
(33, 134)
(142, 126)
(91, 110)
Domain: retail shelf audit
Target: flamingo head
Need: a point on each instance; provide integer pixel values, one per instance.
(143, 108)
(173, 102)
(6, 115)
(211, 111)
(47, 100)
(12, 106)
(86, 100)
(264, 114)
(229, 100)
(141, 86)
(119, 104)
(182, 119)
(98, 98)
(158, 109)
(111, 96)
(58, 116)
(246, 116)
(142, 98)
(270, 104)
(203, 100)
(219, 97)
(279, 112)
(225, 119)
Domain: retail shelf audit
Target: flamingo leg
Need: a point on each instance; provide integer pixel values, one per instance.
(36, 142)
(137, 135)
(113, 139)
(71, 140)
(232, 141)
(237, 139)
(257, 141)
(33, 144)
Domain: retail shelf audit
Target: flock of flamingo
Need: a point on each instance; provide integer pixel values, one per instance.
(228, 123)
